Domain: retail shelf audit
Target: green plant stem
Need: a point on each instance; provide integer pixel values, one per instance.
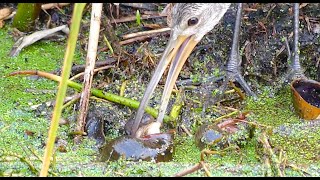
(96, 92)
(71, 45)
(177, 106)
(26, 15)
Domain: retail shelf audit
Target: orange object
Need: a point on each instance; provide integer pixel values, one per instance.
(306, 98)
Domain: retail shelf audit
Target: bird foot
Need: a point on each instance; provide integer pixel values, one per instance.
(290, 76)
(231, 76)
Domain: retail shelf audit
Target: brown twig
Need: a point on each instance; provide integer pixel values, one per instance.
(73, 99)
(133, 18)
(80, 68)
(189, 170)
(140, 38)
(186, 130)
(206, 170)
(271, 9)
(94, 71)
(250, 9)
(148, 6)
(143, 33)
(53, 5)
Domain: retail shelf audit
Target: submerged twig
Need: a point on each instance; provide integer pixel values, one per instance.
(75, 98)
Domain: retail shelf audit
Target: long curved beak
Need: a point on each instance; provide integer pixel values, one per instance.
(176, 53)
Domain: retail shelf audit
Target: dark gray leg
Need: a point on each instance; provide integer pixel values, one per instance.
(297, 71)
(234, 63)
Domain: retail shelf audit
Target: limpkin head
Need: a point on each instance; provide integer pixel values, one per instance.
(190, 22)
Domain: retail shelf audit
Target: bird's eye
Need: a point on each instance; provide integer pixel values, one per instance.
(192, 21)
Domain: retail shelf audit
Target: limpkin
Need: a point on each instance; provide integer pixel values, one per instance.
(190, 22)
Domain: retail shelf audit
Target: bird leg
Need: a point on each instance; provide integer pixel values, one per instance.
(295, 70)
(234, 63)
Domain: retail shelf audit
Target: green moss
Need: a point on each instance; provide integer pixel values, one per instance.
(272, 109)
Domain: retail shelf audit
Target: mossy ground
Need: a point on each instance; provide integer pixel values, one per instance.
(299, 141)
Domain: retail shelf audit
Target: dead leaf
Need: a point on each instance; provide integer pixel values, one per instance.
(34, 37)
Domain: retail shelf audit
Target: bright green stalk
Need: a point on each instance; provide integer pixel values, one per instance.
(71, 45)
